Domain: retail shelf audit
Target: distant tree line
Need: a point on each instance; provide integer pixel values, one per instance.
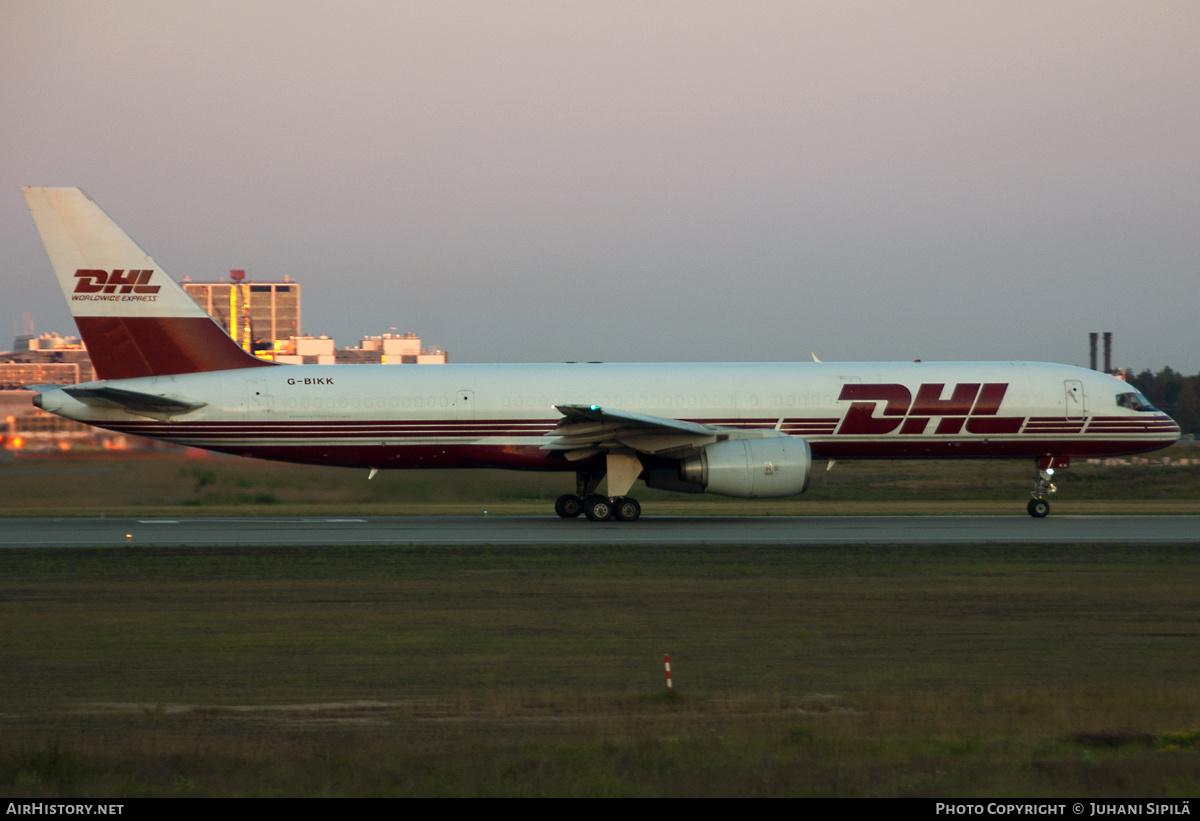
(1174, 393)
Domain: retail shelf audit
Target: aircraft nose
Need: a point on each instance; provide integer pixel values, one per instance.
(1173, 429)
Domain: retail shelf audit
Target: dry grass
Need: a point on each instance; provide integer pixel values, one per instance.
(1062, 670)
(908, 670)
(173, 484)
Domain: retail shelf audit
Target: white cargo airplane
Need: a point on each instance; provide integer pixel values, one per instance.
(169, 372)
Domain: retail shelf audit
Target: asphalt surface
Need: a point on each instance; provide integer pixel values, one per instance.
(549, 530)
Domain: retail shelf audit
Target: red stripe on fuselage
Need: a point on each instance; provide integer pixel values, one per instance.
(368, 449)
(358, 455)
(1020, 447)
(355, 453)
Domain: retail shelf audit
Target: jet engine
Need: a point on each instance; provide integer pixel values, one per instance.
(749, 468)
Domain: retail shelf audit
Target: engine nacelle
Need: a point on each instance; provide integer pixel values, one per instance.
(751, 468)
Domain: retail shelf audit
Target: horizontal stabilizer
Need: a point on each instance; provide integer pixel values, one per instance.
(135, 401)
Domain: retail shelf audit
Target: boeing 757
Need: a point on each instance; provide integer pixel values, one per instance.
(168, 371)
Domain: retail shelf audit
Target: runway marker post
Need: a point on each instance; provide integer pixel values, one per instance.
(667, 664)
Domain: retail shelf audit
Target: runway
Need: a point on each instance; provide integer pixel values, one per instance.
(532, 530)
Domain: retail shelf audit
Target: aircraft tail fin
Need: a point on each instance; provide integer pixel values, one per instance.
(134, 319)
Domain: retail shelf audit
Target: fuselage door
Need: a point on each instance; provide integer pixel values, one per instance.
(464, 404)
(258, 400)
(1074, 399)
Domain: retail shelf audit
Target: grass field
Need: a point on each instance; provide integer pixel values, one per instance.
(177, 484)
(1064, 670)
(938, 671)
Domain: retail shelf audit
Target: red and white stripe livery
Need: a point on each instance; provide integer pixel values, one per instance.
(505, 415)
(742, 429)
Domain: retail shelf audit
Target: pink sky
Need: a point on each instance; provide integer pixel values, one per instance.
(637, 181)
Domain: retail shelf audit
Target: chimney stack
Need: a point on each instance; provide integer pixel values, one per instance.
(1093, 338)
(1108, 352)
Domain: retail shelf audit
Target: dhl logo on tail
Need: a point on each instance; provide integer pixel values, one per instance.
(94, 281)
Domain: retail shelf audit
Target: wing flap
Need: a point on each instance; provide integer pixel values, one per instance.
(577, 414)
(586, 430)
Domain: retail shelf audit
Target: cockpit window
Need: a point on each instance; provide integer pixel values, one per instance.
(1134, 401)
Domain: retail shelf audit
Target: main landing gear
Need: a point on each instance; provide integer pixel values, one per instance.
(601, 509)
(568, 506)
(597, 508)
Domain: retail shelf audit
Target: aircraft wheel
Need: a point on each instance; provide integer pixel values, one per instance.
(598, 508)
(627, 509)
(568, 506)
(1038, 508)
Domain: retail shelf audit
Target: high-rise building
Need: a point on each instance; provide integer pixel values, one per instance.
(258, 315)
(264, 318)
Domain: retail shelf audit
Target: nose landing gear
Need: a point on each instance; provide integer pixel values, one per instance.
(1038, 507)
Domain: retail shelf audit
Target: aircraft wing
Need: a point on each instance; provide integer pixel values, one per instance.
(586, 430)
(133, 401)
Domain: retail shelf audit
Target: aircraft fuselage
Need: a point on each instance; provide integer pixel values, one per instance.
(500, 415)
